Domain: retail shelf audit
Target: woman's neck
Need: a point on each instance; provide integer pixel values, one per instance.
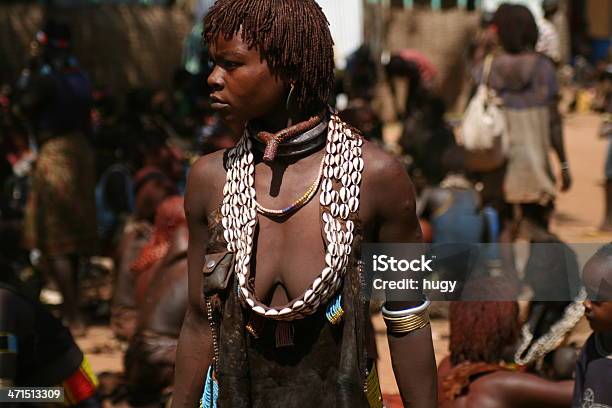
(279, 120)
(274, 124)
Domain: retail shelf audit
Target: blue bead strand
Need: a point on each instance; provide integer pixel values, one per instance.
(334, 310)
(211, 391)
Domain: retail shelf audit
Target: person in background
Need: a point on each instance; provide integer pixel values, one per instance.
(361, 116)
(214, 135)
(426, 136)
(36, 350)
(485, 41)
(151, 188)
(60, 218)
(452, 207)
(358, 84)
(606, 132)
(526, 82)
(150, 357)
(360, 75)
(593, 387)
(548, 38)
(479, 371)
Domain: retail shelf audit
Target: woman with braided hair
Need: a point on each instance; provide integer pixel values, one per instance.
(480, 371)
(277, 315)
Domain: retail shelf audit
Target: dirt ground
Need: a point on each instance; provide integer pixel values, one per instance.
(578, 213)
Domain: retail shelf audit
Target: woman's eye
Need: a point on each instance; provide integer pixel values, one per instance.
(225, 64)
(230, 65)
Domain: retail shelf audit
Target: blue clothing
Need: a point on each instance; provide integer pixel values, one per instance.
(459, 221)
(112, 201)
(67, 109)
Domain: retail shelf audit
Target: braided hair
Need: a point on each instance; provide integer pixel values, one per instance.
(479, 330)
(291, 35)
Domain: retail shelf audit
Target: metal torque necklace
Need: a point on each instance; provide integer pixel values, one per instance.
(298, 145)
(341, 179)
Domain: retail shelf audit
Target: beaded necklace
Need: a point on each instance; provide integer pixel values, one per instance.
(528, 352)
(297, 204)
(341, 177)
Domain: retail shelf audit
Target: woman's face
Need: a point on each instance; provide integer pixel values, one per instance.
(243, 88)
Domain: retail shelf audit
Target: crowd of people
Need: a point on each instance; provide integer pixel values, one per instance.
(162, 183)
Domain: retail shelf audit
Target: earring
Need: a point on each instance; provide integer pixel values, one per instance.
(289, 96)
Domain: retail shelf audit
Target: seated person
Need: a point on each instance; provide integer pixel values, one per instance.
(360, 114)
(477, 373)
(593, 387)
(452, 207)
(151, 187)
(149, 360)
(36, 350)
(124, 312)
(552, 274)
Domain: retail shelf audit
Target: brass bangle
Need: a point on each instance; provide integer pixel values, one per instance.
(408, 323)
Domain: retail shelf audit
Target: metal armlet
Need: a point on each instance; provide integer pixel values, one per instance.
(407, 320)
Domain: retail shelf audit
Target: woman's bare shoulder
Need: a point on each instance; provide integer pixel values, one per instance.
(205, 183)
(209, 166)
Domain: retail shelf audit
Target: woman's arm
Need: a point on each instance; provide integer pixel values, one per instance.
(547, 80)
(412, 353)
(529, 390)
(195, 350)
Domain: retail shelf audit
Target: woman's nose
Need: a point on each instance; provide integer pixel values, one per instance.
(215, 79)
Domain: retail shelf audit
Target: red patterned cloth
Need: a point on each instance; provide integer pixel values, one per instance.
(426, 68)
(169, 216)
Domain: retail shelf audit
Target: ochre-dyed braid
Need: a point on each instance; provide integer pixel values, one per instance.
(291, 35)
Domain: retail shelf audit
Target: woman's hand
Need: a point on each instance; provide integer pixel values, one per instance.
(566, 179)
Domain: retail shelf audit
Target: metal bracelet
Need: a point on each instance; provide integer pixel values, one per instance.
(406, 312)
(408, 323)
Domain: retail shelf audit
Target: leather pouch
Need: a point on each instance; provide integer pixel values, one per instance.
(217, 271)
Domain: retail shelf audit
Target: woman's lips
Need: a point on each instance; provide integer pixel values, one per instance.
(217, 104)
